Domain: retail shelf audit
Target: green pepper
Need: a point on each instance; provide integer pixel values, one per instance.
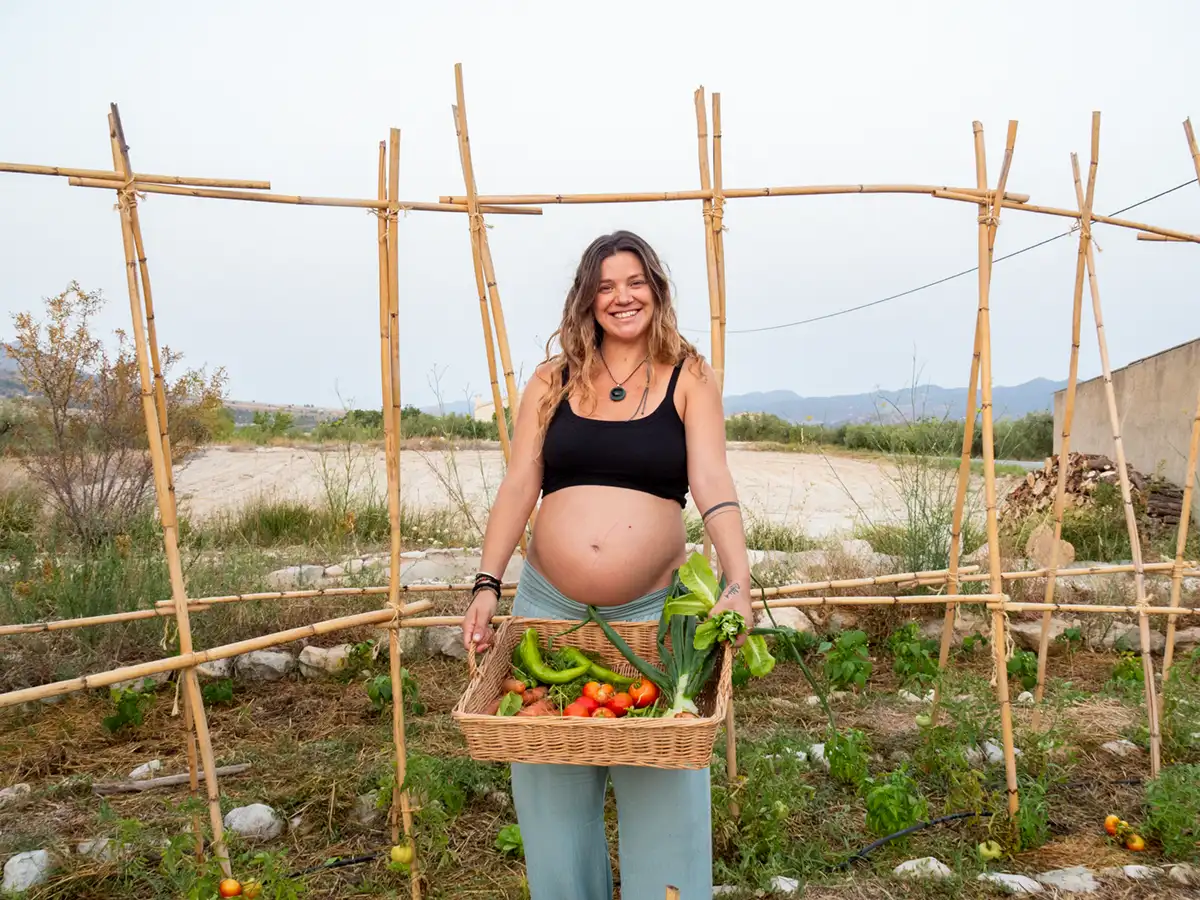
(532, 662)
(596, 670)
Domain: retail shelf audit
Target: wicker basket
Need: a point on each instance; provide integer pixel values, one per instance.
(628, 741)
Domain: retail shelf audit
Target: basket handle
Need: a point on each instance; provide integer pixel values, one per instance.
(472, 668)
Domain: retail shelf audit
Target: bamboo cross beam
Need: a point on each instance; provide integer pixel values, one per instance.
(729, 193)
(211, 193)
(139, 177)
(1099, 609)
(1144, 236)
(196, 657)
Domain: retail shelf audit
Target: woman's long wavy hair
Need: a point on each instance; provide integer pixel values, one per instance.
(579, 335)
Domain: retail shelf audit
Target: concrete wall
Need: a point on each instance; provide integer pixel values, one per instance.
(1156, 402)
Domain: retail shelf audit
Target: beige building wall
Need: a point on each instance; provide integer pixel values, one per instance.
(1156, 402)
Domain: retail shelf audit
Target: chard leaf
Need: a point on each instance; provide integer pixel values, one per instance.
(724, 626)
(698, 577)
(510, 705)
(758, 658)
(686, 606)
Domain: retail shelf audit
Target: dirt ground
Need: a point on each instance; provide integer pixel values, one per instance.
(819, 494)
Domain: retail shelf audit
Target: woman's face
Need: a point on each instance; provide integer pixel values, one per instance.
(624, 303)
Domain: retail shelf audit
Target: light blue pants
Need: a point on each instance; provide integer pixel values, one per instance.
(664, 816)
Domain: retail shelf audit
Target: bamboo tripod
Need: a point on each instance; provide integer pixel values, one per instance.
(989, 203)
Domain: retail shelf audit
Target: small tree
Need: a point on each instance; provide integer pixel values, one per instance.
(84, 436)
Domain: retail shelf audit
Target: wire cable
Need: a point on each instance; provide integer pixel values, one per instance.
(931, 284)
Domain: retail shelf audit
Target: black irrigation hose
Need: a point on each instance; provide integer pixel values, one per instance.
(872, 847)
(338, 863)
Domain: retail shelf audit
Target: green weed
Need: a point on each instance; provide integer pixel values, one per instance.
(846, 660)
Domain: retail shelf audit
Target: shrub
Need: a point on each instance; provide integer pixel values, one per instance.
(1173, 811)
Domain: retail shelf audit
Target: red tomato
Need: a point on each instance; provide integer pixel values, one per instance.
(643, 693)
(587, 703)
(604, 693)
(590, 689)
(603, 712)
(577, 709)
(620, 703)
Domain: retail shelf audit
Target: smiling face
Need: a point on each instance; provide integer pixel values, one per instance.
(624, 303)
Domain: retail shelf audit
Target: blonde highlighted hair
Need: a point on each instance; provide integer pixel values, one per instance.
(579, 335)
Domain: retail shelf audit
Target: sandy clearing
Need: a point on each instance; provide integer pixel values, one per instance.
(822, 495)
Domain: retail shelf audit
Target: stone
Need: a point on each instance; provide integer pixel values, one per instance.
(1130, 637)
(1029, 634)
(98, 848)
(335, 571)
(217, 668)
(721, 890)
(444, 640)
(318, 661)
(439, 570)
(812, 700)
(1073, 880)
(145, 770)
(1025, 698)
(256, 822)
(1141, 873)
(810, 564)
(859, 550)
(15, 796)
(995, 753)
(145, 683)
(1121, 748)
(816, 753)
(839, 620)
(925, 867)
(1185, 874)
(899, 757)
(1040, 547)
(1012, 884)
(974, 757)
(307, 576)
(365, 810)
(785, 617)
(26, 870)
(1186, 638)
(413, 554)
(500, 799)
(910, 697)
(264, 665)
(784, 885)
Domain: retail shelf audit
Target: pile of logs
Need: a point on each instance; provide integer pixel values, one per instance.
(1157, 499)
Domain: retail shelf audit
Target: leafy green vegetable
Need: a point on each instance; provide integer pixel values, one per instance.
(510, 705)
(724, 626)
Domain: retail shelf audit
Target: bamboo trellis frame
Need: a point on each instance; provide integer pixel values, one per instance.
(989, 201)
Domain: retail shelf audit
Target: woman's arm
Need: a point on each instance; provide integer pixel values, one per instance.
(510, 511)
(713, 490)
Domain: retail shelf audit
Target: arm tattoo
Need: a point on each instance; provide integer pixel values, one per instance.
(734, 590)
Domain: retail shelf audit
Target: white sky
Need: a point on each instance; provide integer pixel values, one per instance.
(567, 98)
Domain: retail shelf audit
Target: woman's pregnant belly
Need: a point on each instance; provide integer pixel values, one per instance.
(604, 546)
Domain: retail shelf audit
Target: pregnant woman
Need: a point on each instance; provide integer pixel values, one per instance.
(612, 433)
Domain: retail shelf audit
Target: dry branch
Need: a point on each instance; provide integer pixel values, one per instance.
(107, 788)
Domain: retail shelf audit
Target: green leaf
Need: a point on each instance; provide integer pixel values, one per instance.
(758, 657)
(686, 606)
(698, 577)
(510, 705)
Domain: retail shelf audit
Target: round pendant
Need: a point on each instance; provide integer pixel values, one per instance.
(617, 394)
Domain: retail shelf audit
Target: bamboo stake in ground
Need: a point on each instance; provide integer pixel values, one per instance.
(126, 199)
(1139, 579)
(987, 232)
(718, 225)
(1185, 511)
(714, 296)
(1064, 452)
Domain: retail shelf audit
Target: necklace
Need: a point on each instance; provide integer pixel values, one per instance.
(617, 394)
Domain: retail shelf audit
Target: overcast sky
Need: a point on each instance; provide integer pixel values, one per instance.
(568, 97)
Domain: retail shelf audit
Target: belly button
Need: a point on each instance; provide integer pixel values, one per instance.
(595, 548)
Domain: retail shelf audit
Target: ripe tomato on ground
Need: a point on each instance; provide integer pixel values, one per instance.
(643, 693)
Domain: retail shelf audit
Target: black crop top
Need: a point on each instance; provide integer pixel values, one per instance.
(647, 454)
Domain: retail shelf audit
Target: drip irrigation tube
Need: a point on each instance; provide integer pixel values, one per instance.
(870, 848)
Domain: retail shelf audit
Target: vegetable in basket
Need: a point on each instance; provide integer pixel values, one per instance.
(689, 663)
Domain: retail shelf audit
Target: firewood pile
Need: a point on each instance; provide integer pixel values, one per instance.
(1156, 499)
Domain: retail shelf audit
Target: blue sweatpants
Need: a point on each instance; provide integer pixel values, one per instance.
(664, 815)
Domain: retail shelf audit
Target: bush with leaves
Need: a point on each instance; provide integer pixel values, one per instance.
(846, 660)
(913, 655)
(894, 803)
(1173, 811)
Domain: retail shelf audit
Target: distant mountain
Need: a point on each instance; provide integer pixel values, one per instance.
(929, 401)
(10, 382)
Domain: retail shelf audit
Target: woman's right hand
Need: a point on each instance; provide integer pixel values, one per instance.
(477, 620)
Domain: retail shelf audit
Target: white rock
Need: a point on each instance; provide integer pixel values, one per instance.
(974, 757)
(256, 822)
(910, 697)
(99, 848)
(925, 867)
(812, 700)
(1130, 636)
(816, 753)
(1074, 880)
(26, 870)
(145, 770)
(15, 795)
(1012, 884)
(1025, 698)
(784, 885)
(785, 617)
(1141, 873)
(264, 665)
(145, 683)
(1186, 638)
(413, 554)
(1029, 634)
(217, 668)
(720, 890)
(295, 577)
(444, 640)
(1121, 748)
(318, 661)
(995, 753)
(840, 620)
(335, 571)
(1184, 873)
(859, 550)
(365, 811)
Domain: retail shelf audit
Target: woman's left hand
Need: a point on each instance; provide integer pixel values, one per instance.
(737, 598)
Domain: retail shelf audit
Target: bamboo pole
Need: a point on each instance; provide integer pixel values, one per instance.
(389, 316)
(160, 611)
(1123, 474)
(1185, 511)
(119, 175)
(211, 193)
(740, 193)
(194, 701)
(1102, 609)
(1075, 214)
(714, 296)
(718, 225)
(1064, 452)
(196, 657)
(485, 252)
(987, 225)
(122, 163)
(1143, 236)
